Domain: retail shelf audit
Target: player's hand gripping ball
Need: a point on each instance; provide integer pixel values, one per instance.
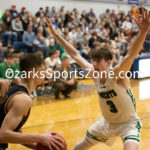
(39, 146)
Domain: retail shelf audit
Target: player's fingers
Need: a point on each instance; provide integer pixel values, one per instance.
(55, 145)
(149, 16)
(142, 14)
(146, 14)
(48, 22)
(50, 147)
(59, 144)
(137, 22)
(58, 138)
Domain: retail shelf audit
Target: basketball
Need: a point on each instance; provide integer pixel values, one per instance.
(39, 146)
(62, 139)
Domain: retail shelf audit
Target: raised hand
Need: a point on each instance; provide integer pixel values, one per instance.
(50, 26)
(144, 24)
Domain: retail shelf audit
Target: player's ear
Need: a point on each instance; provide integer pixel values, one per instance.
(30, 74)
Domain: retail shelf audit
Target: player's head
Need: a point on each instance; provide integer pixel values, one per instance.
(101, 58)
(29, 63)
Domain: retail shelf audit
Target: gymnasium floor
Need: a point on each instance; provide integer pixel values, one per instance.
(72, 117)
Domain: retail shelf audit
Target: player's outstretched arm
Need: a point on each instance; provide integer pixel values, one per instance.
(136, 46)
(69, 48)
(31, 146)
(20, 107)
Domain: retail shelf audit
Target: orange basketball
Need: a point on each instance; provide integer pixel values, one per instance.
(39, 146)
(62, 139)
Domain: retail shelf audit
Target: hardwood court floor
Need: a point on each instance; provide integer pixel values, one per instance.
(72, 117)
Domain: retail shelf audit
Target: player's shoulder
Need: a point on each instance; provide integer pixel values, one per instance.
(20, 103)
(124, 83)
(23, 99)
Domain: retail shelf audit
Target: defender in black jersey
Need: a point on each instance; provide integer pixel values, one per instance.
(15, 109)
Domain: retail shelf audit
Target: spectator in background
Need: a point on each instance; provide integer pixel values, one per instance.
(76, 18)
(84, 40)
(8, 36)
(23, 11)
(4, 66)
(141, 8)
(61, 49)
(10, 49)
(28, 37)
(46, 12)
(6, 18)
(41, 24)
(24, 16)
(1, 53)
(51, 61)
(92, 40)
(39, 12)
(25, 22)
(58, 57)
(113, 15)
(52, 12)
(127, 24)
(34, 24)
(68, 18)
(39, 42)
(107, 14)
(79, 34)
(13, 11)
(62, 13)
(91, 13)
(118, 21)
(73, 34)
(135, 11)
(64, 85)
(83, 14)
(51, 47)
(17, 27)
(54, 22)
(41, 17)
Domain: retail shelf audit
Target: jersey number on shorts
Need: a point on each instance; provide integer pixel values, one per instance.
(112, 106)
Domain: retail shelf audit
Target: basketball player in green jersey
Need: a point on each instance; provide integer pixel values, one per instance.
(115, 96)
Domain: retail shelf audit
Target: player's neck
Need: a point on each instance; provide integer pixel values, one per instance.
(104, 76)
